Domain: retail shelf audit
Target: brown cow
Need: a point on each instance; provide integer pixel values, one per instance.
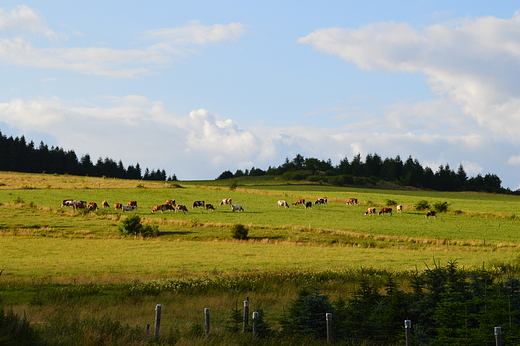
(300, 201)
(351, 201)
(162, 208)
(79, 205)
(92, 206)
(105, 204)
(118, 206)
(170, 202)
(370, 211)
(132, 203)
(385, 211)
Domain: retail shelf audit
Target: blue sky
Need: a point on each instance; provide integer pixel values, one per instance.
(200, 87)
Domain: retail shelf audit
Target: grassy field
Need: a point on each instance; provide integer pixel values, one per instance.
(46, 245)
(477, 229)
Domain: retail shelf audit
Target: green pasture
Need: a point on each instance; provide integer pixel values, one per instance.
(472, 219)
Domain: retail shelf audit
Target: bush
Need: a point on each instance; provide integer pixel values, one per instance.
(422, 205)
(239, 231)
(390, 202)
(132, 226)
(441, 207)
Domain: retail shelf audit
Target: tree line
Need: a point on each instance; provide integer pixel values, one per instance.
(19, 156)
(373, 169)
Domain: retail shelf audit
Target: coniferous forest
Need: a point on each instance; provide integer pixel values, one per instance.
(19, 156)
(375, 169)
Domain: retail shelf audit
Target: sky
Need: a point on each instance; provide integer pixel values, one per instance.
(201, 87)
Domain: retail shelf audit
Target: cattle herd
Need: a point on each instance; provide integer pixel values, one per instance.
(170, 205)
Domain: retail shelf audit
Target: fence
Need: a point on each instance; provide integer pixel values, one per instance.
(327, 320)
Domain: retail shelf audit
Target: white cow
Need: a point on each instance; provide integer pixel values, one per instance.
(399, 208)
(283, 204)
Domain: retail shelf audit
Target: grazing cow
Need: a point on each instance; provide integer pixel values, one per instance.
(181, 207)
(170, 202)
(321, 201)
(370, 211)
(209, 206)
(158, 207)
(162, 208)
(67, 203)
(132, 203)
(351, 201)
(226, 201)
(128, 208)
(92, 206)
(385, 211)
(118, 206)
(236, 207)
(197, 204)
(105, 204)
(283, 204)
(300, 201)
(79, 205)
(431, 213)
(399, 208)
(308, 205)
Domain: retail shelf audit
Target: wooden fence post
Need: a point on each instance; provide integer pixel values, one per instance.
(246, 314)
(157, 321)
(207, 321)
(328, 319)
(498, 336)
(255, 324)
(407, 330)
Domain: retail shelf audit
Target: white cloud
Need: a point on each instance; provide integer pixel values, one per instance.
(22, 19)
(474, 62)
(119, 63)
(201, 145)
(195, 33)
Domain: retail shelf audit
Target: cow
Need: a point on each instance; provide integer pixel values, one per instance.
(321, 201)
(79, 205)
(370, 211)
(431, 213)
(67, 203)
(237, 207)
(351, 201)
(132, 203)
(128, 208)
(209, 206)
(197, 204)
(159, 207)
(385, 211)
(226, 201)
(105, 204)
(283, 204)
(118, 206)
(170, 202)
(92, 206)
(399, 208)
(181, 207)
(308, 205)
(300, 201)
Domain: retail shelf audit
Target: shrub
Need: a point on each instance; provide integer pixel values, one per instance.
(239, 231)
(233, 185)
(390, 202)
(422, 205)
(132, 226)
(441, 207)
